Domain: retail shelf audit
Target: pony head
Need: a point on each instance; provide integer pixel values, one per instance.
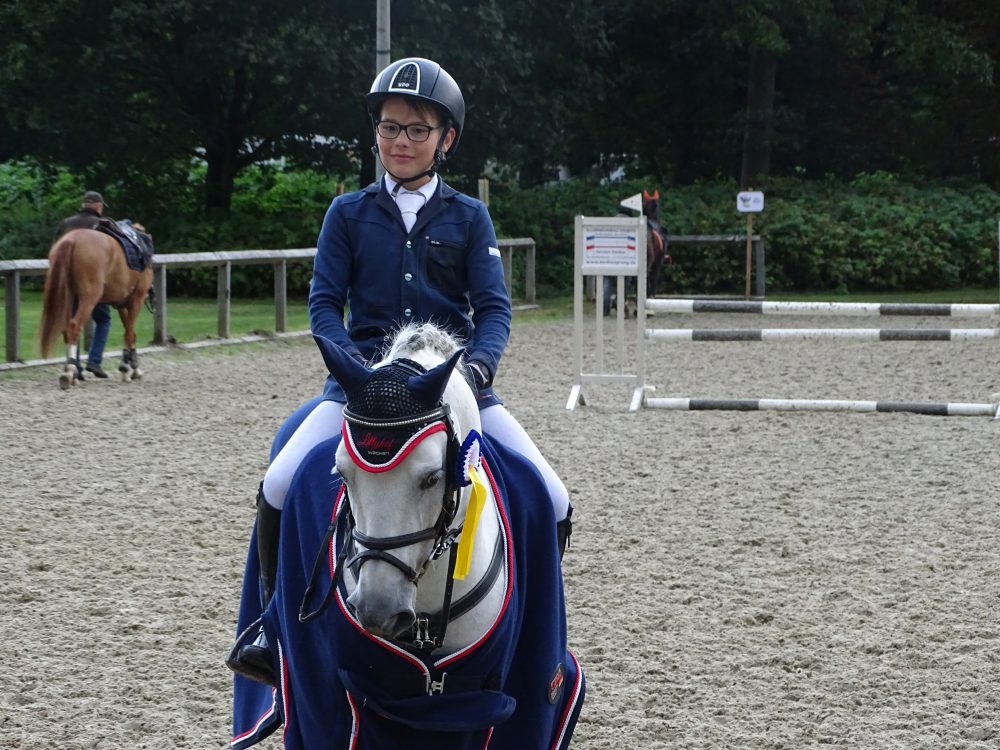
(405, 423)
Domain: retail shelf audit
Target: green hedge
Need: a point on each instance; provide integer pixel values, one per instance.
(877, 232)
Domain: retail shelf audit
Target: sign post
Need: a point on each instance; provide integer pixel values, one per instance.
(749, 202)
(612, 247)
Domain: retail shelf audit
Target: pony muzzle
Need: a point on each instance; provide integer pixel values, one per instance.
(380, 606)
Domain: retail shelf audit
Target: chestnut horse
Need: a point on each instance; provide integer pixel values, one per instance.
(87, 267)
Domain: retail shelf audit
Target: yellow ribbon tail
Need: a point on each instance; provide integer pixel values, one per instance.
(477, 500)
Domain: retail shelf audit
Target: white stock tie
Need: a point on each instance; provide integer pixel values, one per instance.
(409, 203)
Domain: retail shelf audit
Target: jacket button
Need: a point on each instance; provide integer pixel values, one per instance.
(409, 244)
(408, 276)
(407, 312)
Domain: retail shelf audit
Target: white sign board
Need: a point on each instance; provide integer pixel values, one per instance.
(750, 202)
(611, 246)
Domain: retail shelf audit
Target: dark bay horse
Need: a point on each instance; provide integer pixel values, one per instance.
(87, 267)
(657, 255)
(657, 252)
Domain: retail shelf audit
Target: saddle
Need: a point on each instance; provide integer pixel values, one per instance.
(138, 245)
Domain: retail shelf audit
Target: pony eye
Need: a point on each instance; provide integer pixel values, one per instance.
(430, 480)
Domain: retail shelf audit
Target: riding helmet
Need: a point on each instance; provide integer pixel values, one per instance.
(424, 79)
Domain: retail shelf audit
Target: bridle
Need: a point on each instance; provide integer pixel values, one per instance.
(377, 548)
(429, 630)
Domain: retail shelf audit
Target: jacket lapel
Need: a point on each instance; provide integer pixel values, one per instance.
(437, 204)
(387, 204)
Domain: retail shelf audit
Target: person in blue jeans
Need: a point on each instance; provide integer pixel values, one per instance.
(405, 249)
(91, 210)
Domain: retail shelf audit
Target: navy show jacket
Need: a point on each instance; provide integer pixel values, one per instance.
(446, 270)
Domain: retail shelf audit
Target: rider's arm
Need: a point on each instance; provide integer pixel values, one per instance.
(488, 296)
(331, 279)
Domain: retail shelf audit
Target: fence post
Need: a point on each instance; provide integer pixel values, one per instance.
(281, 296)
(759, 263)
(507, 258)
(224, 293)
(529, 275)
(160, 305)
(12, 287)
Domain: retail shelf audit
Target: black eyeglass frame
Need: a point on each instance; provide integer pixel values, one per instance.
(406, 129)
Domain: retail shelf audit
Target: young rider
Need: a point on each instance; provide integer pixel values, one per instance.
(406, 249)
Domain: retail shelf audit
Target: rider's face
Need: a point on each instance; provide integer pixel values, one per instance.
(401, 156)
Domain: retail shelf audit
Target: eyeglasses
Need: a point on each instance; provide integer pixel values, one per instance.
(416, 132)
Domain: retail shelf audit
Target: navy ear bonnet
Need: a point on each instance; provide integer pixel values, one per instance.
(387, 416)
(388, 395)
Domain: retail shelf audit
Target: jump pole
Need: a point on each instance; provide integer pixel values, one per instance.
(853, 309)
(958, 409)
(802, 334)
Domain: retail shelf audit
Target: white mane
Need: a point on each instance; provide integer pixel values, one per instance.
(414, 338)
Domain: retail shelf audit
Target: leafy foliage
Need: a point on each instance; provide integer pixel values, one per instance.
(874, 233)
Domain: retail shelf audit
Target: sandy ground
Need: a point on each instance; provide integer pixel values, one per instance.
(737, 580)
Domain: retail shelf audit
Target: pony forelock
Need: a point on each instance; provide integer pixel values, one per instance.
(418, 337)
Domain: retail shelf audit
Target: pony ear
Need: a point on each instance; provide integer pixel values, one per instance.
(646, 195)
(656, 196)
(348, 372)
(430, 385)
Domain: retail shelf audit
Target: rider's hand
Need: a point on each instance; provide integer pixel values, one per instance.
(480, 374)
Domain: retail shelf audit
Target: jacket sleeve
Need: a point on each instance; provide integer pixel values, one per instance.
(331, 280)
(488, 296)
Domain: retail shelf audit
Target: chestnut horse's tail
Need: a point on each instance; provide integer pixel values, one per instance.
(57, 299)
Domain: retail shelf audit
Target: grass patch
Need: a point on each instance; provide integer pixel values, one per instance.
(188, 320)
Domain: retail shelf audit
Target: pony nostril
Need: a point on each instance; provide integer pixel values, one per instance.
(398, 624)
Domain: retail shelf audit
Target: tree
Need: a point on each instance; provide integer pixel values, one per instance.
(232, 83)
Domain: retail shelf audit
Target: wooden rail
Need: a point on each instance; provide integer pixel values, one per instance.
(13, 270)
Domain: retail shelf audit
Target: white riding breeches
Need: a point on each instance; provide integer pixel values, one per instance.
(325, 422)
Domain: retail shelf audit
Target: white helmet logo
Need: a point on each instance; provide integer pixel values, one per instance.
(407, 78)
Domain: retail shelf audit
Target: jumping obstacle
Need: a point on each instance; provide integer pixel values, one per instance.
(866, 309)
(614, 247)
(785, 334)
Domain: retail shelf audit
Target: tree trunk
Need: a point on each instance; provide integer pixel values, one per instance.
(219, 179)
(760, 119)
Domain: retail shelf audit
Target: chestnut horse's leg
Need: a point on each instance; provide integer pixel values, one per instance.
(73, 370)
(129, 367)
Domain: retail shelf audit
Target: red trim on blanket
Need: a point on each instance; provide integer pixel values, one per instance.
(570, 704)
(256, 727)
(509, 540)
(355, 721)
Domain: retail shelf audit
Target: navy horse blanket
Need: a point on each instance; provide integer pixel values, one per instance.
(341, 688)
(138, 245)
